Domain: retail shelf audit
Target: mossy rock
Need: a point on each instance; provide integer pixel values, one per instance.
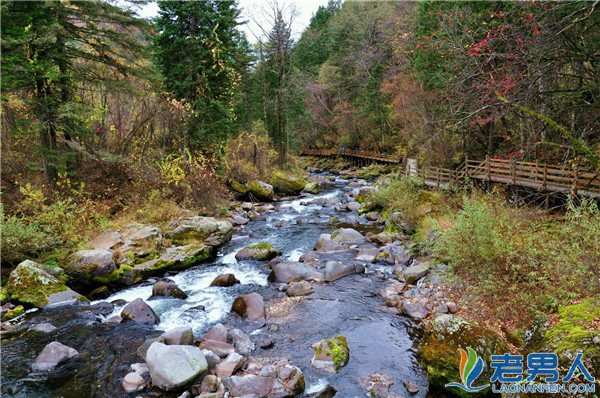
(261, 190)
(287, 184)
(261, 251)
(312, 187)
(439, 350)
(239, 187)
(176, 259)
(31, 283)
(15, 312)
(331, 354)
(576, 331)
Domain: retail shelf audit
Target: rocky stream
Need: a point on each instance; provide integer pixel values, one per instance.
(312, 311)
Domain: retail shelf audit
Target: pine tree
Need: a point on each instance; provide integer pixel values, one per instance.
(48, 47)
(197, 50)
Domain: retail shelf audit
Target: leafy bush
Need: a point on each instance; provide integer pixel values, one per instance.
(509, 257)
(249, 155)
(158, 209)
(40, 228)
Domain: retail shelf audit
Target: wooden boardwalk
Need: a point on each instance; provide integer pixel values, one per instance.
(368, 157)
(539, 176)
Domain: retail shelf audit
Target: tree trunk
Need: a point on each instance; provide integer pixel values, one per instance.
(48, 130)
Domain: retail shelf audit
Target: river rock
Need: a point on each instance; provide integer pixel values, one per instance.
(331, 354)
(378, 385)
(415, 311)
(312, 187)
(415, 272)
(443, 336)
(260, 190)
(293, 271)
(452, 307)
(393, 254)
(102, 308)
(367, 255)
(217, 333)
(280, 380)
(300, 288)
(239, 220)
(353, 206)
(211, 358)
(39, 285)
(225, 280)
(241, 341)
(261, 251)
(250, 306)
(336, 269)
(139, 311)
(168, 289)
(385, 237)
(173, 366)
(220, 348)
(178, 336)
(53, 355)
(132, 382)
(287, 184)
(326, 244)
(208, 229)
(176, 258)
(229, 365)
(347, 236)
(89, 266)
(139, 368)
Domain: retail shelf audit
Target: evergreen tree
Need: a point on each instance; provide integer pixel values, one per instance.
(50, 46)
(197, 50)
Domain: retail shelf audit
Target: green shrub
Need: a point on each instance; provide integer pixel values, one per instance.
(21, 240)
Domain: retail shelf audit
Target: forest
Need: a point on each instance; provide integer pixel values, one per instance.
(134, 148)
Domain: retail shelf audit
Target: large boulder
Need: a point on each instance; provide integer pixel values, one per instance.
(415, 272)
(287, 184)
(331, 354)
(212, 231)
(574, 331)
(443, 337)
(167, 288)
(89, 266)
(326, 244)
(39, 285)
(250, 306)
(260, 190)
(139, 311)
(312, 187)
(347, 236)
(293, 271)
(136, 241)
(393, 254)
(176, 258)
(261, 251)
(53, 355)
(225, 280)
(336, 270)
(174, 366)
(415, 311)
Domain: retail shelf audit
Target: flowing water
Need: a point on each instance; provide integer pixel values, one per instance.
(378, 341)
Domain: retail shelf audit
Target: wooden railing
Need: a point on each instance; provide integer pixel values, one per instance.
(539, 176)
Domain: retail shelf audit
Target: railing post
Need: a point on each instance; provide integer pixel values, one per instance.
(545, 176)
(512, 171)
(487, 163)
(575, 173)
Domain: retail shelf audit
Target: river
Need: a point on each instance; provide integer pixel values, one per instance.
(378, 341)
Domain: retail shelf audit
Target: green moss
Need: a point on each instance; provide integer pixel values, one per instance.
(15, 312)
(340, 351)
(575, 330)
(262, 251)
(3, 296)
(259, 190)
(440, 342)
(31, 283)
(238, 187)
(288, 183)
